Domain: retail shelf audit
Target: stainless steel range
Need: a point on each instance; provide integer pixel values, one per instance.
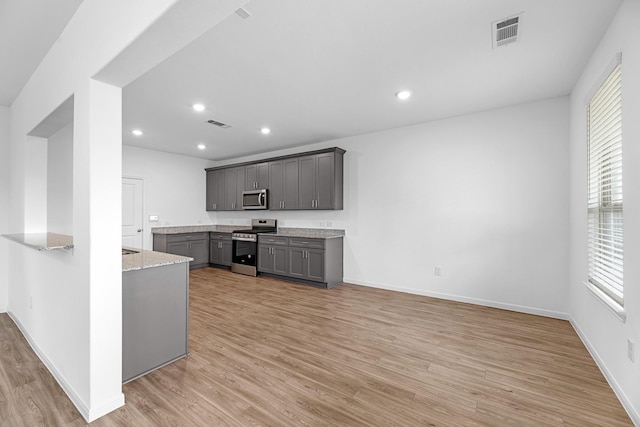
(244, 259)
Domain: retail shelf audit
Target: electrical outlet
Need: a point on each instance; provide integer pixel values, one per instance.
(630, 351)
(153, 218)
(329, 223)
(321, 223)
(437, 271)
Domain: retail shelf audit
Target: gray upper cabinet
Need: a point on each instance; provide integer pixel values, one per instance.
(321, 181)
(257, 176)
(216, 190)
(234, 186)
(308, 181)
(283, 184)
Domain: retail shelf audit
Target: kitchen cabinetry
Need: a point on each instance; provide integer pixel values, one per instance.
(220, 248)
(215, 190)
(257, 176)
(234, 186)
(314, 261)
(311, 180)
(283, 184)
(194, 245)
(319, 176)
(273, 254)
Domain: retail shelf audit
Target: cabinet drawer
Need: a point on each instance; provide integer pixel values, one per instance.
(273, 240)
(306, 243)
(226, 237)
(186, 237)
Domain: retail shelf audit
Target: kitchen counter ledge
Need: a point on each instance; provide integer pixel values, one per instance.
(42, 241)
(149, 259)
(179, 229)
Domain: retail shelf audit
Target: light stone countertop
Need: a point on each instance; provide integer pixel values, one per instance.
(178, 229)
(309, 233)
(149, 259)
(42, 241)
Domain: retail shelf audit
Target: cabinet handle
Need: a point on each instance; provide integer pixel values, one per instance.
(283, 204)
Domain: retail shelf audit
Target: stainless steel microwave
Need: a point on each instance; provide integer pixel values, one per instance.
(254, 199)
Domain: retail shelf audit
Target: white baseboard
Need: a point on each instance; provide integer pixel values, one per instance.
(476, 301)
(626, 403)
(89, 414)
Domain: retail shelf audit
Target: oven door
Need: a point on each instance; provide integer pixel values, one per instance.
(243, 257)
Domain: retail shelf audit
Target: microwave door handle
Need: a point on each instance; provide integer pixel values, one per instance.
(262, 199)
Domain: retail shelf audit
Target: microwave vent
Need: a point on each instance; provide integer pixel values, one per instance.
(219, 124)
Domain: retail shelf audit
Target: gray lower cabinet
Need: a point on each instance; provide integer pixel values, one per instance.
(273, 254)
(314, 261)
(155, 312)
(220, 248)
(194, 245)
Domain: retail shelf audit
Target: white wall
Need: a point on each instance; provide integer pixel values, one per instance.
(4, 207)
(174, 187)
(483, 196)
(60, 181)
(605, 335)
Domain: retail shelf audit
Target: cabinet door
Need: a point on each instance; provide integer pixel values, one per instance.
(215, 190)
(290, 184)
(211, 189)
(276, 185)
(178, 248)
(214, 252)
(199, 251)
(314, 260)
(307, 182)
(280, 256)
(226, 252)
(257, 176)
(264, 259)
(325, 181)
(296, 263)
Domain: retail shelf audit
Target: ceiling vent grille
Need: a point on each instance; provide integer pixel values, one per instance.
(219, 124)
(506, 31)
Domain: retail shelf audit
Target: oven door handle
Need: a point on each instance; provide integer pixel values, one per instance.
(244, 239)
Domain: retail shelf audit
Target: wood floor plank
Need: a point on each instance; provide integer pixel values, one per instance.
(267, 352)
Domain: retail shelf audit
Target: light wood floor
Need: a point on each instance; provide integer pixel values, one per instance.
(267, 352)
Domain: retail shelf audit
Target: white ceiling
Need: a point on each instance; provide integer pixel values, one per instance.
(320, 70)
(28, 29)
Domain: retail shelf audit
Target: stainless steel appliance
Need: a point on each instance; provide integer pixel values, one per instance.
(244, 257)
(255, 199)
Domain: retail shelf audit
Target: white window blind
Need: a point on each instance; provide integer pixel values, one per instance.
(605, 239)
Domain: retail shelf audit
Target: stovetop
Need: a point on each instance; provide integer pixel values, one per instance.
(259, 226)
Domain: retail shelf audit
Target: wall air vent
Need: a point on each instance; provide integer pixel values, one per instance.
(219, 124)
(506, 31)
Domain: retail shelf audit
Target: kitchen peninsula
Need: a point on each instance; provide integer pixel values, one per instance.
(155, 310)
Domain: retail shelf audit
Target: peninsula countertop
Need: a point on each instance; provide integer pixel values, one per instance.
(144, 259)
(307, 233)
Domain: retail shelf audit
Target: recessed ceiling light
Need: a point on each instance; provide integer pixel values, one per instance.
(136, 132)
(403, 95)
(265, 131)
(198, 107)
(201, 146)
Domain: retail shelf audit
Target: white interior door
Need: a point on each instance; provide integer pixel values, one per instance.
(132, 216)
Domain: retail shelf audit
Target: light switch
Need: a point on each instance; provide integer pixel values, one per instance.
(153, 218)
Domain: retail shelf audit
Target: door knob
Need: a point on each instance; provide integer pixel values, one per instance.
(139, 230)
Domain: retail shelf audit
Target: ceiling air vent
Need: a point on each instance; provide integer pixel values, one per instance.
(506, 31)
(219, 124)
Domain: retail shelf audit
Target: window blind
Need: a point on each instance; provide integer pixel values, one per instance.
(605, 201)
